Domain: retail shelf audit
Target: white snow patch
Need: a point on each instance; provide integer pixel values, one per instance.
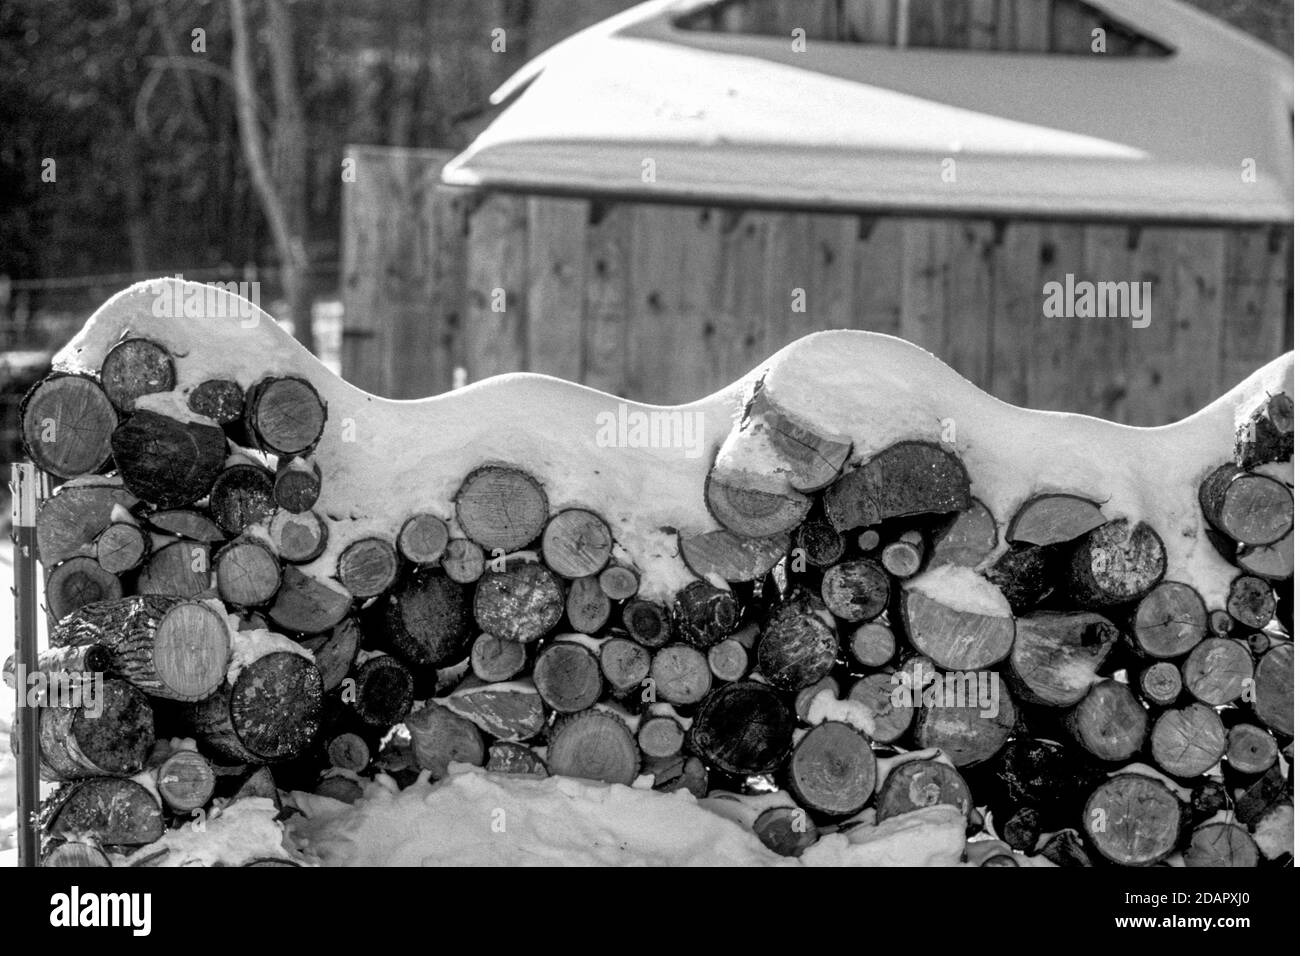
(961, 589)
(826, 706)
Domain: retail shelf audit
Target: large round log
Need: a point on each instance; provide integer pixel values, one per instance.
(593, 745)
(430, 620)
(952, 633)
(1169, 621)
(1251, 749)
(1132, 819)
(1109, 722)
(168, 463)
(423, 539)
(798, 647)
(909, 478)
(68, 423)
(973, 719)
(1218, 671)
(1117, 563)
(500, 507)
(916, 784)
(385, 691)
(111, 811)
(1220, 844)
(567, 676)
(742, 728)
(521, 603)
(1188, 741)
(242, 495)
(76, 582)
(832, 769)
(368, 567)
(891, 718)
(68, 522)
(1275, 689)
(285, 416)
(109, 732)
(1249, 508)
(272, 712)
(166, 646)
(856, 591)
(178, 569)
(121, 547)
(136, 367)
(625, 664)
(577, 543)
(704, 614)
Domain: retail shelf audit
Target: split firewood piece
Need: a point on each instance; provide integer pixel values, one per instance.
(903, 558)
(967, 539)
(348, 751)
(507, 757)
(297, 484)
(648, 622)
(166, 646)
(785, 831)
(1026, 576)
(440, 738)
(743, 728)
(683, 772)
(577, 543)
(185, 781)
(916, 784)
(285, 416)
(1117, 563)
(464, 561)
(625, 665)
(272, 712)
(832, 769)
(799, 645)
(68, 522)
(804, 698)
(493, 659)
(178, 569)
(752, 505)
(909, 478)
(856, 590)
(68, 422)
(1251, 749)
(1251, 601)
(817, 543)
(1218, 671)
(728, 660)
(730, 556)
(660, 735)
(1133, 819)
(1275, 562)
(335, 651)
(423, 539)
(298, 538)
(384, 693)
(430, 620)
(593, 745)
(248, 573)
(1221, 844)
(872, 644)
(510, 711)
(219, 399)
(368, 567)
(1109, 723)
(76, 582)
(168, 463)
(111, 811)
(619, 582)
(974, 720)
(1054, 519)
(185, 523)
(681, 674)
(501, 507)
(957, 619)
(1268, 433)
(121, 547)
(587, 606)
(810, 457)
(1188, 741)
(521, 603)
(704, 615)
(1056, 656)
(891, 720)
(1275, 689)
(304, 605)
(568, 676)
(1250, 508)
(109, 733)
(75, 853)
(1161, 683)
(136, 367)
(1169, 621)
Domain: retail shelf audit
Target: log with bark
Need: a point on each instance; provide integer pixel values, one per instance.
(168, 463)
(648, 622)
(423, 539)
(567, 676)
(285, 416)
(1132, 819)
(272, 711)
(510, 711)
(872, 644)
(832, 769)
(304, 605)
(68, 423)
(909, 478)
(625, 665)
(1268, 433)
(430, 620)
(916, 784)
(785, 831)
(76, 582)
(891, 719)
(69, 522)
(297, 484)
(242, 495)
(1188, 741)
(619, 582)
(593, 745)
(177, 568)
(1054, 519)
(121, 547)
(742, 728)
(1116, 563)
(1251, 601)
(298, 538)
(1056, 656)
(577, 543)
(1169, 621)
(973, 720)
(1026, 574)
(1109, 722)
(108, 732)
(1251, 749)
(799, 645)
(732, 557)
(166, 646)
(856, 591)
(955, 637)
(521, 603)
(501, 508)
(1221, 844)
(219, 399)
(463, 561)
(817, 543)
(185, 781)
(1274, 689)
(587, 606)
(493, 659)
(1249, 508)
(248, 573)
(967, 538)
(1218, 671)
(112, 811)
(680, 674)
(1161, 683)
(440, 738)
(704, 615)
(728, 660)
(133, 368)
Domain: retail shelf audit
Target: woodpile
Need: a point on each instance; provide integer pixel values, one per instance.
(852, 605)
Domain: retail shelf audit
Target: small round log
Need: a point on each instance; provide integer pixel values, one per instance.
(1169, 621)
(1161, 683)
(1251, 749)
(1188, 741)
(681, 674)
(587, 606)
(121, 547)
(219, 399)
(298, 538)
(856, 591)
(625, 664)
(463, 561)
(186, 781)
(648, 622)
(248, 573)
(368, 567)
(568, 677)
(494, 660)
(1109, 722)
(1218, 671)
(873, 644)
(285, 416)
(423, 539)
(297, 484)
(1117, 563)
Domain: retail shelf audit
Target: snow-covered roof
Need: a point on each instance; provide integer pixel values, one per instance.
(730, 118)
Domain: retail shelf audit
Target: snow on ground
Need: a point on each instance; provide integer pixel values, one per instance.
(476, 818)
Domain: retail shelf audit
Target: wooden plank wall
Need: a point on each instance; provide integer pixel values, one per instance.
(666, 303)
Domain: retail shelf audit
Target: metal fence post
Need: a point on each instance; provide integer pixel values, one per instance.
(26, 487)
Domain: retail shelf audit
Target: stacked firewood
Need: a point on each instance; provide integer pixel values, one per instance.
(1061, 691)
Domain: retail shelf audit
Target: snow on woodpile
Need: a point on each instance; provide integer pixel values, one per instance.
(476, 819)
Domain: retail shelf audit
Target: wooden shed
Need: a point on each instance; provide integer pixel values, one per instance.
(670, 196)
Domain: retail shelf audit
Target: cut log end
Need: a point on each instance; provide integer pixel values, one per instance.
(1132, 819)
(501, 508)
(68, 423)
(133, 368)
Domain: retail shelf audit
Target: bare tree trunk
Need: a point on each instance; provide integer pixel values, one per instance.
(282, 188)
